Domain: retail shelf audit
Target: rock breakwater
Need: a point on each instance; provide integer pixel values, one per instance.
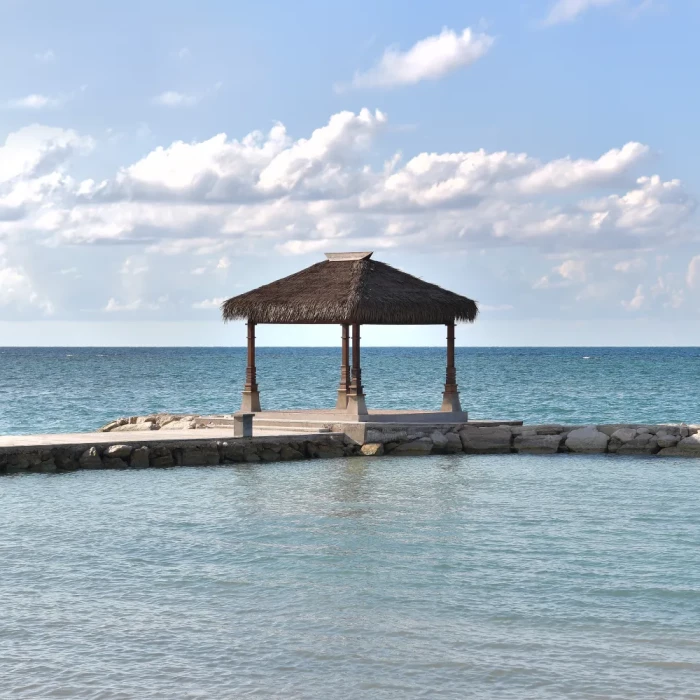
(171, 453)
(371, 439)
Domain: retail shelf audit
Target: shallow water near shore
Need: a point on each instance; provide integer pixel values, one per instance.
(49, 390)
(436, 577)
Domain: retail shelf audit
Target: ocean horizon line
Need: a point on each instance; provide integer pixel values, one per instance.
(330, 347)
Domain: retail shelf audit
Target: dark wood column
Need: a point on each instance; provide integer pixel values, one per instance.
(251, 395)
(344, 386)
(450, 397)
(356, 394)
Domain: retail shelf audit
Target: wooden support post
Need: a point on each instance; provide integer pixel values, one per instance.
(344, 386)
(450, 397)
(356, 395)
(251, 395)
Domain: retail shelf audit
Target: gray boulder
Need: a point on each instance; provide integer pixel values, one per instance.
(644, 443)
(161, 457)
(422, 446)
(665, 440)
(198, 456)
(181, 424)
(624, 434)
(288, 453)
(538, 444)
(118, 451)
(687, 447)
(587, 440)
(139, 458)
(439, 442)
(454, 444)
(114, 463)
(90, 459)
(486, 440)
(134, 427)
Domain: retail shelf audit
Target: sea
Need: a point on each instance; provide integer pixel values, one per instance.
(458, 576)
(49, 390)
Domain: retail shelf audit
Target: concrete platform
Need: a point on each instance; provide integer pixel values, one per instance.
(300, 423)
(373, 416)
(314, 420)
(126, 438)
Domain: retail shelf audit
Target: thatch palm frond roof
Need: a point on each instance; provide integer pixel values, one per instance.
(350, 288)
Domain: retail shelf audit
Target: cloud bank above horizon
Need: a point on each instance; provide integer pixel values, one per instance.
(518, 166)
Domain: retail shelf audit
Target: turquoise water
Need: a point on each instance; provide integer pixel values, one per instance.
(79, 389)
(507, 577)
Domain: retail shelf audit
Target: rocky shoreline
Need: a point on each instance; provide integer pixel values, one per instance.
(625, 439)
(374, 439)
(620, 438)
(157, 421)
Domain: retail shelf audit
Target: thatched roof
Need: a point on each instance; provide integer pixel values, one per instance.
(350, 288)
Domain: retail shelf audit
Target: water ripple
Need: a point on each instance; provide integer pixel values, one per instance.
(441, 577)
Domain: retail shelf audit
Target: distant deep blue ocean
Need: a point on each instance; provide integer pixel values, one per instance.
(46, 390)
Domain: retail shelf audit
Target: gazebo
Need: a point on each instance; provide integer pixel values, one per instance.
(350, 289)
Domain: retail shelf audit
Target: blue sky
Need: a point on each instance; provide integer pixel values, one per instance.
(540, 157)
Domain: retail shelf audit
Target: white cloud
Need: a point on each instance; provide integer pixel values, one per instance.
(34, 151)
(567, 174)
(427, 59)
(633, 265)
(569, 272)
(692, 277)
(654, 206)
(47, 56)
(34, 101)
(569, 10)
(442, 179)
(222, 197)
(136, 305)
(193, 246)
(172, 98)
(572, 270)
(17, 289)
(134, 266)
(209, 303)
(184, 53)
(223, 263)
(666, 290)
(637, 300)
(258, 167)
(496, 307)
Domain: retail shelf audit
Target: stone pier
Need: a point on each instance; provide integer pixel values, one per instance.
(155, 448)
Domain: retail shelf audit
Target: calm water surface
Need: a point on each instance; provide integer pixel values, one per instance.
(78, 389)
(440, 577)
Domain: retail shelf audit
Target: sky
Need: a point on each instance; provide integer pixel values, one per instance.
(540, 157)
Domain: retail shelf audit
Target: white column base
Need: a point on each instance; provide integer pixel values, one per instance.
(356, 405)
(342, 402)
(451, 403)
(251, 402)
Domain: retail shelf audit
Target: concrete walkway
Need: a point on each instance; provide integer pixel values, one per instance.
(140, 436)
